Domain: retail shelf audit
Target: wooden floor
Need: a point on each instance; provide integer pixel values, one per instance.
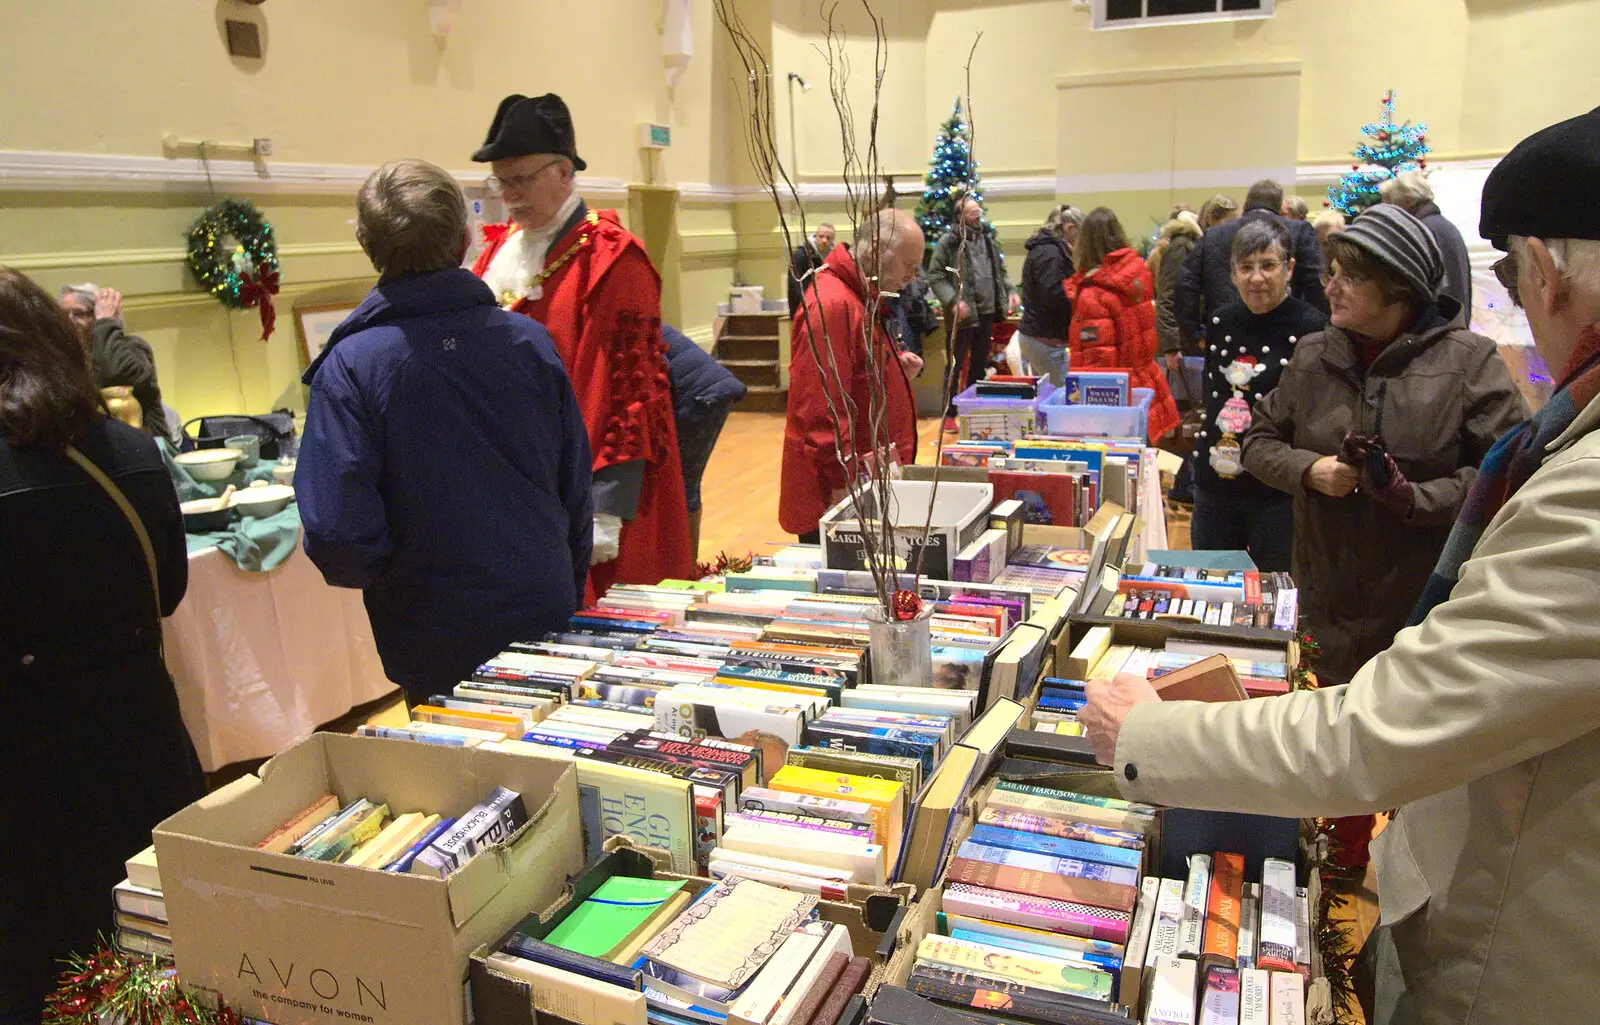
(739, 495)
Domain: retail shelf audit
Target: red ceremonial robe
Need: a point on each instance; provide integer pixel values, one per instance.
(603, 308)
(811, 447)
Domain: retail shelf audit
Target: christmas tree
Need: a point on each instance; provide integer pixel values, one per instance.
(952, 174)
(1394, 148)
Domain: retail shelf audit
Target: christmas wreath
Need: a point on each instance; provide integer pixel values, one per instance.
(233, 254)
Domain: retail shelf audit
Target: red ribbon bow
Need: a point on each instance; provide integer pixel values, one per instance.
(259, 292)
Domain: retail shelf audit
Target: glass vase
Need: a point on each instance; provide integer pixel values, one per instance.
(901, 650)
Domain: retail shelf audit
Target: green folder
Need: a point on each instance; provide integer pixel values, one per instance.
(612, 914)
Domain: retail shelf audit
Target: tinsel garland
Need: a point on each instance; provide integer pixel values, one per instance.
(1332, 939)
(724, 564)
(113, 988)
(1310, 651)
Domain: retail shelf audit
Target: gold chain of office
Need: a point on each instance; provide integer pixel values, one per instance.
(510, 299)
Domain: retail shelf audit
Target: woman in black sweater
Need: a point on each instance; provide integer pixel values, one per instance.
(96, 752)
(1248, 343)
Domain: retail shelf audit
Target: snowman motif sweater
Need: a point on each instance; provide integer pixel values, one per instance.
(1245, 355)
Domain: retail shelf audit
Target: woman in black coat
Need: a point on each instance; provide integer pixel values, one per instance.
(96, 752)
(1042, 335)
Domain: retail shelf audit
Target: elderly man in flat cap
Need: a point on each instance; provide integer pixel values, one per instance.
(585, 278)
(1482, 722)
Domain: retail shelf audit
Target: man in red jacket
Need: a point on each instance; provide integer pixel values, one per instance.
(820, 453)
(584, 277)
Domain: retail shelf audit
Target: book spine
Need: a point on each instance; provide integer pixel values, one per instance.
(1288, 999)
(1089, 815)
(1223, 906)
(490, 822)
(767, 799)
(1302, 931)
(894, 747)
(1219, 1002)
(855, 829)
(1255, 997)
(1249, 916)
(1196, 893)
(1014, 819)
(336, 821)
(1080, 980)
(999, 997)
(1139, 930)
(1055, 887)
(1172, 992)
(1104, 950)
(403, 862)
(1052, 864)
(1016, 840)
(1168, 923)
(1022, 945)
(1051, 915)
(1275, 942)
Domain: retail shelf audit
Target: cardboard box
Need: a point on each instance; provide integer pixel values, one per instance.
(960, 514)
(300, 942)
(872, 914)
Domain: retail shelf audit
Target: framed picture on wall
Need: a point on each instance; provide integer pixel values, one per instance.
(315, 324)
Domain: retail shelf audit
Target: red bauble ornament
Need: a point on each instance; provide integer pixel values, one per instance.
(906, 605)
(1355, 167)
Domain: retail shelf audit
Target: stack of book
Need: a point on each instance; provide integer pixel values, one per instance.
(141, 910)
(1264, 601)
(677, 952)
(1058, 706)
(1039, 904)
(1262, 669)
(1218, 951)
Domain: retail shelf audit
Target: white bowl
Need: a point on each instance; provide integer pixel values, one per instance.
(202, 514)
(210, 463)
(266, 500)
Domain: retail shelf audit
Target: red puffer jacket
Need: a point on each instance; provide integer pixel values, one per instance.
(1114, 325)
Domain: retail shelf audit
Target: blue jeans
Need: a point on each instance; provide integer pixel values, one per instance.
(1264, 527)
(1045, 357)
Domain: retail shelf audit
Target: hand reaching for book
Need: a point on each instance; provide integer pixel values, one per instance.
(1108, 707)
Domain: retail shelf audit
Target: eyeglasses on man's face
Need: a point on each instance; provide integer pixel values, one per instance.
(1505, 272)
(516, 182)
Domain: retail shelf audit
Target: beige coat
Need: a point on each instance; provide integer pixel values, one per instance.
(1481, 724)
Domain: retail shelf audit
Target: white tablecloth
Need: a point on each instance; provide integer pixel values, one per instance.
(262, 659)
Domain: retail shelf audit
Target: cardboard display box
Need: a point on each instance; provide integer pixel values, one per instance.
(301, 942)
(960, 512)
(872, 914)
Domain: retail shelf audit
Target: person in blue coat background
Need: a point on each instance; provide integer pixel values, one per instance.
(445, 468)
(703, 392)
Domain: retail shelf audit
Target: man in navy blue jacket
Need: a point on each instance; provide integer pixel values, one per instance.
(445, 465)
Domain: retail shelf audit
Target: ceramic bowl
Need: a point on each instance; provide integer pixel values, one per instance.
(265, 500)
(210, 463)
(203, 514)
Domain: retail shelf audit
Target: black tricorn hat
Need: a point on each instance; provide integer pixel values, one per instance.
(530, 124)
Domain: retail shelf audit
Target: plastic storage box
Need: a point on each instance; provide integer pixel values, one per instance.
(1105, 421)
(1022, 414)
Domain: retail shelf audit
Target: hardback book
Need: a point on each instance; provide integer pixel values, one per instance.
(1007, 1000)
(724, 781)
(1030, 969)
(134, 942)
(1057, 499)
(148, 926)
(570, 996)
(934, 816)
(1288, 998)
(1018, 937)
(1211, 679)
(759, 1000)
(887, 797)
(1103, 388)
(281, 839)
(1219, 1000)
(1255, 997)
(728, 934)
(1277, 938)
(1039, 825)
(1053, 864)
(139, 900)
(1167, 925)
(832, 1010)
(1224, 909)
(1037, 912)
(1196, 895)
(867, 860)
(143, 870)
(614, 914)
(1130, 979)
(1173, 986)
(811, 987)
(1071, 889)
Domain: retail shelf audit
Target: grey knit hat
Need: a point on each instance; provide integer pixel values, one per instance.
(1404, 243)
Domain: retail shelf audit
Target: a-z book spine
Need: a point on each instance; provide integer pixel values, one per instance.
(1051, 864)
(1032, 881)
(1038, 912)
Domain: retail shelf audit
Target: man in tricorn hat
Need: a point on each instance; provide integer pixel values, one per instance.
(589, 281)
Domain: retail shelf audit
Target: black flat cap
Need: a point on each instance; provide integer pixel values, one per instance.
(530, 124)
(1546, 186)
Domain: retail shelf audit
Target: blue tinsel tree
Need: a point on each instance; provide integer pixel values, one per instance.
(1392, 148)
(952, 173)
